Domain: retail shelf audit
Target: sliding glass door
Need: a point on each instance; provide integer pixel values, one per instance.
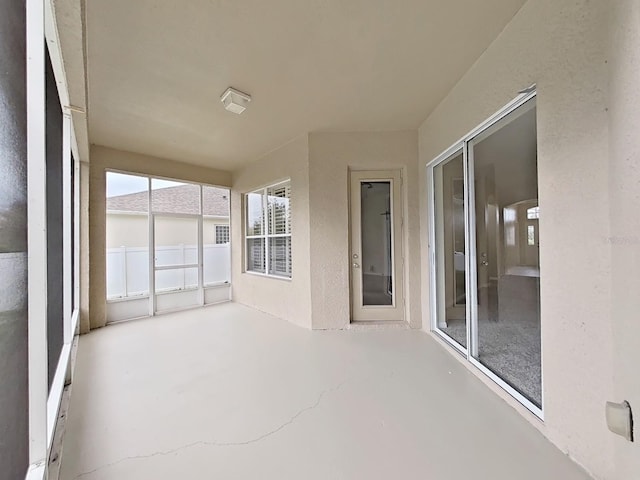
(484, 246)
(450, 247)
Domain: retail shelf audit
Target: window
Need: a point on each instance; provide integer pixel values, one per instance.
(222, 234)
(531, 235)
(268, 230)
(533, 213)
(184, 225)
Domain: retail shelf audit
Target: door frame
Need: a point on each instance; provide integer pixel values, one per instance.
(465, 144)
(379, 313)
(153, 306)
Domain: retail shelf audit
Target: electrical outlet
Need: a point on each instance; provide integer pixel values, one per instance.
(620, 419)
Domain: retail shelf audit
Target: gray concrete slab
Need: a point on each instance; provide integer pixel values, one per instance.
(232, 393)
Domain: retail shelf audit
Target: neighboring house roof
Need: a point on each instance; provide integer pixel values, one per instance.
(180, 199)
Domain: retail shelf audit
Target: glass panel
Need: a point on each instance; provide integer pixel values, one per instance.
(450, 248)
(255, 255)
(215, 202)
(508, 270)
(127, 236)
(174, 197)
(377, 260)
(280, 256)
(278, 206)
(55, 232)
(176, 241)
(176, 280)
(217, 248)
(255, 220)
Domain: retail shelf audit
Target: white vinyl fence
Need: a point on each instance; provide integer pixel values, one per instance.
(128, 269)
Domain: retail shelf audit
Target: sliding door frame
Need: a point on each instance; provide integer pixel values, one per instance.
(471, 279)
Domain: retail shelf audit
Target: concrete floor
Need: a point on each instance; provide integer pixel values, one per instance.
(228, 392)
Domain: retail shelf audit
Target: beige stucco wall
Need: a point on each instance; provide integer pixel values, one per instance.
(288, 299)
(103, 158)
(624, 184)
(562, 46)
(132, 230)
(331, 155)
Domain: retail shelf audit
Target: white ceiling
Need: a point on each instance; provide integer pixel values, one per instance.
(156, 69)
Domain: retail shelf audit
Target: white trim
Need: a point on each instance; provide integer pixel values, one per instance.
(67, 253)
(260, 274)
(36, 472)
(176, 215)
(76, 251)
(55, 53)
(37, 239)
(55, 394)
(503, 112)
(152, 253)
(176, 266)
(508, 388)
(451, 342)
(471, 274)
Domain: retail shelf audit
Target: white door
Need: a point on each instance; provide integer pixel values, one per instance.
(376, 260)
(177, 261)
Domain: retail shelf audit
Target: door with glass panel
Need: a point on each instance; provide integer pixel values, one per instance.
(177, 258)
(484, 250)
(376, 247)
(450, 247)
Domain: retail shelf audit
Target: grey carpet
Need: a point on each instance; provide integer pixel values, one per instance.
(509, 349)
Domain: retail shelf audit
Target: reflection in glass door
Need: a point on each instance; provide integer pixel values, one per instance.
(485, 235)
(507, 268)
(450, 247)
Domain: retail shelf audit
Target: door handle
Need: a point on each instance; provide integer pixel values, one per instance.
(355, 265)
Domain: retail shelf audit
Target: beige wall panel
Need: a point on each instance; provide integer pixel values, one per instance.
(103, 158)
(624, 183)
(125, 230)
(132, 230)
(288, 299)
(561, 47)
(330, 157)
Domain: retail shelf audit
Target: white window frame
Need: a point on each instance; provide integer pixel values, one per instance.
(265, 236)
(44, 402)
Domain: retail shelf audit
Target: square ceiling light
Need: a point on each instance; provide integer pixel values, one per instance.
(235, 101)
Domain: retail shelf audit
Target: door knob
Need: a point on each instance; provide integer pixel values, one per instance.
(484, 263)
(355, 265)
(355, 255)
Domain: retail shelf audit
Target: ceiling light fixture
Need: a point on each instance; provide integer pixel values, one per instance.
(234, 100)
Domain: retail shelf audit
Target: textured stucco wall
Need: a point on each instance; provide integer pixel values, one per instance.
(331, 155)
(288, 299)
(103, 158)
(561, 46)
(624, 183)
(131, 230)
